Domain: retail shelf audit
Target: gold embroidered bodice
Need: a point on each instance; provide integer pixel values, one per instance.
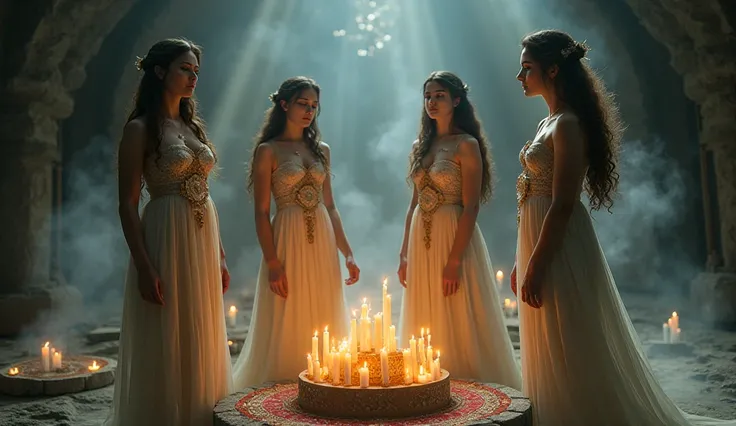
(180, 170)
(292, 184)
(438, 185)
(537, 166)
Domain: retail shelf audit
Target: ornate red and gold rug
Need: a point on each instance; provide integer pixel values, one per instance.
(277, 405)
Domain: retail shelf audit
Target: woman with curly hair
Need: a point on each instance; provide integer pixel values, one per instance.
(582, 362)
(444, 263)
(299, 284)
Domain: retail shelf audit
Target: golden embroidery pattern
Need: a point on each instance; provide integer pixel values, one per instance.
(430, 199)
(307, 196)
(523, 183)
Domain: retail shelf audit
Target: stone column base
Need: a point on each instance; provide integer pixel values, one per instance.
(714, 295)
(21, 310)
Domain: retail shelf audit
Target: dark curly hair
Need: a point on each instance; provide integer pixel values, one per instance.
(584, 92)
(464, 118)
(275, 121)
(149, 95)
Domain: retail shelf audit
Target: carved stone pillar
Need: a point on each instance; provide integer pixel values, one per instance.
(29, 150)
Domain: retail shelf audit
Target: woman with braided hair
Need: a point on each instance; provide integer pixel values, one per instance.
(444, 263)
(582, 362)
(299, 288)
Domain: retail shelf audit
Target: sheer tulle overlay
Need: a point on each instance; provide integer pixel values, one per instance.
(582, 362)
(174, 362)
(280, 332)
(468, 327)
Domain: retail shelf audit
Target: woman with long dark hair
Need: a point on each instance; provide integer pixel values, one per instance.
(582, 362)
(174, 362)
(299, 288)
(444, 263)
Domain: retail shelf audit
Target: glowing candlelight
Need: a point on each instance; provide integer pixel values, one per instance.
(46, 357)
(13, 371)
(94, 366)
(56, 362)
(499, 278)
(232, 316)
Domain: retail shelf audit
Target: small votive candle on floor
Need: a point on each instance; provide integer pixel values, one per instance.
(94, 366)
(13, 371)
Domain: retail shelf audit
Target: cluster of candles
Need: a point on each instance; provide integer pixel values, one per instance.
(377, 336)
(510, 308)
(50, 358)
(671, 329)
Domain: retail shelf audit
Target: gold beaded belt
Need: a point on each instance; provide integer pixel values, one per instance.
(306, 194)
(194, 188)
(430, 199)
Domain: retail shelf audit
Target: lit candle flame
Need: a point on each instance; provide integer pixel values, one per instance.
(507, 302)
(233, 309)
(438, 354)
(365, 299)
(94, 366)
(325, 329)
(674, 314)
(13, 371)
(229, 342)
(422, 332)
(499, 275)
(385, 282)
(46, 345)
(354, 312)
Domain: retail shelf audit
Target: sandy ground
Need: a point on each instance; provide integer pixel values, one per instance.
(702, 383)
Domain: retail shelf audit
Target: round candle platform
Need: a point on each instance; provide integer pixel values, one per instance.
(355, 402)
(29, 379)
(473, 403)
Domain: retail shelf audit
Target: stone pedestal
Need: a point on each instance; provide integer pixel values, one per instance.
(715, 294)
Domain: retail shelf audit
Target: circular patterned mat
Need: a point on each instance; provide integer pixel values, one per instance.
(277, 405)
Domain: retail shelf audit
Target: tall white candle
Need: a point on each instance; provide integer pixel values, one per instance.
(56, 361)
(413, 350)
(315, 346)
(675, 321)
(310, 365)
(429, 338)
(430, 355)
(336, 368)
(325, 345)
(408, 379)
(386, 311)
(392, 338)
(364, 309)
(364, 375)
(437, 360)
(378, 332)
(408, 363)
(422, 351)
(384, 367)
(348, 369)
(46, 357)
(436, 368)
(354, 336)
(232, 316)
(666, 333)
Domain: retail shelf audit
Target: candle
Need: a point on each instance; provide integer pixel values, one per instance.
(310, 366)
(378, 332)
(422, 377)
(56, 361)
(507, 307)
(348, 369)
(437, 371)
(499, 277)
(422, 351)
(429, 338)
(675, 321)
(384, 367)
(335, 368)
(317, 371)
(363, 375)
(315, 346)
(325, 345)
(408, 379)
(94, 366)
(386, 311)
(232, 316)
(392, 338)
(437, 361)
(666, 333)
(430, 354)
(365, 335)
(413, 350)
(408, 363)
(45, 357)
(354, 337)
(364, 309)
(12, 371)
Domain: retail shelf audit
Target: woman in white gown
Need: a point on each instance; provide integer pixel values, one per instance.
(444, 262)
(173, 362)
(582, 363)
(299, 288)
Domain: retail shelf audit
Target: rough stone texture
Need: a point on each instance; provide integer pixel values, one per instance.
(31, 386)
(48, 59)
(715, 293)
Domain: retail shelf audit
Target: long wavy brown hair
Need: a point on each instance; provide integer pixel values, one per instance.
(149, 95)
(463, 118)
(584, 92)
(275, 121)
